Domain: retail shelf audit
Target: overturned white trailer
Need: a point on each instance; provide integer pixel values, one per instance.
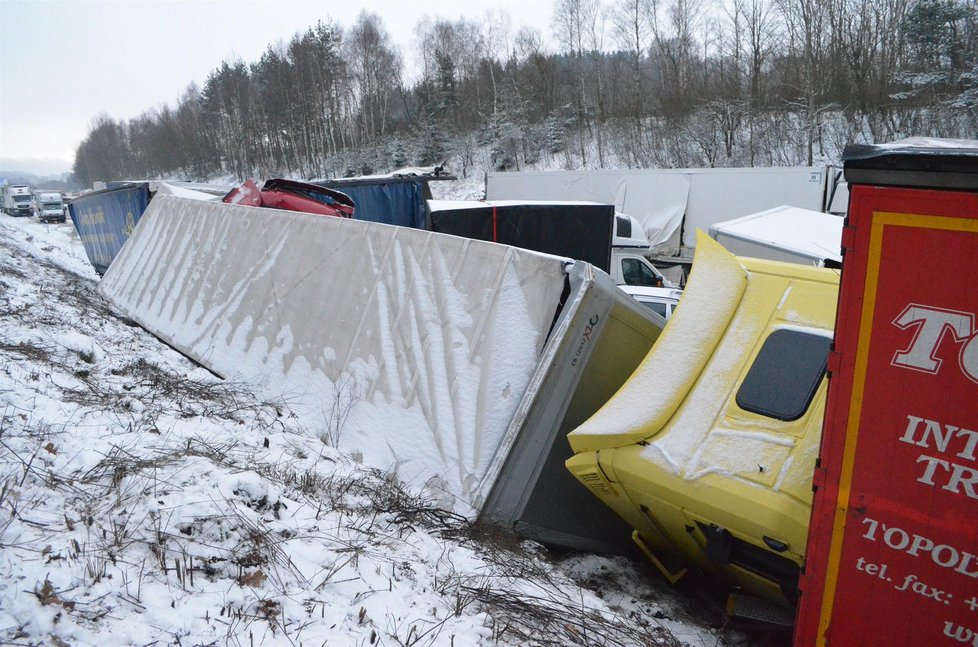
(461, 360)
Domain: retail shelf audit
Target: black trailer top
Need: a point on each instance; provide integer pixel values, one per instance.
(915, 162)
(579, 230)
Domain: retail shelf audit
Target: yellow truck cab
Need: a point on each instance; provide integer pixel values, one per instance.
(709, 448)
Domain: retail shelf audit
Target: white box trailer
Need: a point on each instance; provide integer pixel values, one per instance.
(671, 204)
(784, 234)
(463, 360)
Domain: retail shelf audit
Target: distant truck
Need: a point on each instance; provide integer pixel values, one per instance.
(17, 200)
(50, 206)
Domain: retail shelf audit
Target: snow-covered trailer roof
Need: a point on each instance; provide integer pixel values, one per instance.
(784, 234)
(925, 162)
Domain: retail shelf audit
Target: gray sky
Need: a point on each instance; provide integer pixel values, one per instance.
(63, 62)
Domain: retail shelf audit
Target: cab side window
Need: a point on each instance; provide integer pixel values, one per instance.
(635, 272)
(783, 379)
(657, 307)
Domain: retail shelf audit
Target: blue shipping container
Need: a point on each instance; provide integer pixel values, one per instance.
(105, 219)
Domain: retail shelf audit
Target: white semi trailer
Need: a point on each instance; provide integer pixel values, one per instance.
(784, 234)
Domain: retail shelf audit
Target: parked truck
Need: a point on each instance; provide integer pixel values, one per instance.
(17, 200)
(49, 206)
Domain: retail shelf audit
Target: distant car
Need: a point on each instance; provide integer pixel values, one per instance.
(660, 300)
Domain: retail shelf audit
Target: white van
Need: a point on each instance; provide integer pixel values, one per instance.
(50, 206)
(629, 266)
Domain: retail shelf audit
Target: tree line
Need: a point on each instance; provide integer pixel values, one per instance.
(631, 83)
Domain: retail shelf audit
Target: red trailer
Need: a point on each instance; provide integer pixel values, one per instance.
(892, 555)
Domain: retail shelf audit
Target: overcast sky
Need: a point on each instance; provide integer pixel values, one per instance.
(63, 62)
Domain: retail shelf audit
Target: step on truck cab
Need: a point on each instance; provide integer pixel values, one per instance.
(708, 450)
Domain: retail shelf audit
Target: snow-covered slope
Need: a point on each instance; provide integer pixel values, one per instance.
(145, 501)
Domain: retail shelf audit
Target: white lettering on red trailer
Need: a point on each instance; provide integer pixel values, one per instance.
(933, 326)
(951, 441)
(943, 555)
(939, 436)
(960, 633)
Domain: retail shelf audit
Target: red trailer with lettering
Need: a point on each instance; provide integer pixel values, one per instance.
(892, 555)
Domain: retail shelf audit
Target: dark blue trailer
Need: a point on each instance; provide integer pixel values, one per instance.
(388, 200)
(105, 219)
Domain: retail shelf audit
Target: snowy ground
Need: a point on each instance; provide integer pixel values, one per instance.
(144, 501)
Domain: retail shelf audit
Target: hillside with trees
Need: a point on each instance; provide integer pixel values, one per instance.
(632, 83)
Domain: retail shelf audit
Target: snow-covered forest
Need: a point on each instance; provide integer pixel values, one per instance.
(630, 83)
